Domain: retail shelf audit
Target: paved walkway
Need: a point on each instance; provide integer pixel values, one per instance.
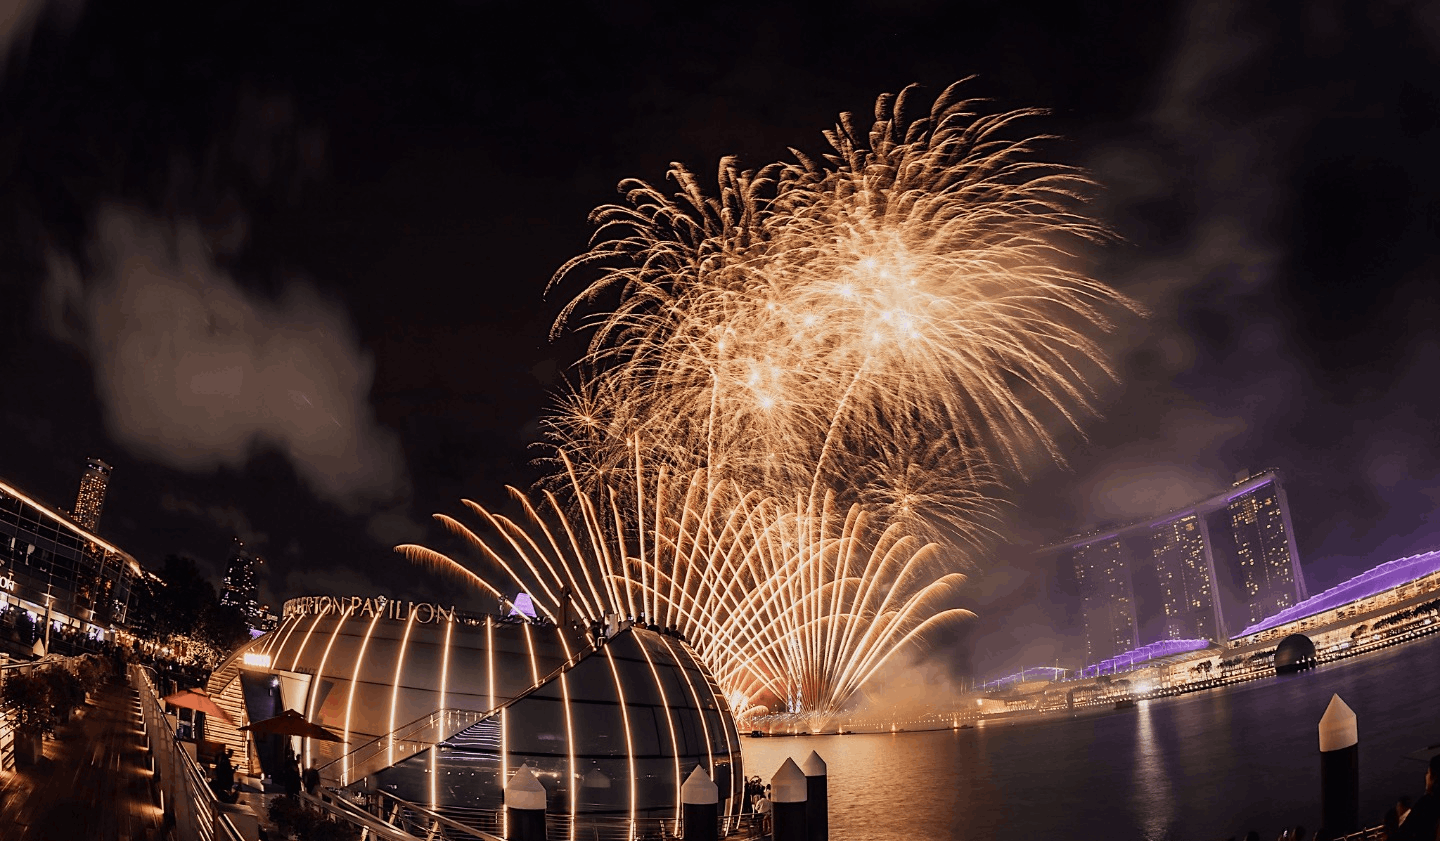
(92, 783)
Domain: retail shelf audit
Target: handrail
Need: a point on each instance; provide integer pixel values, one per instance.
(410, 732)
(433, 821)
(341, 808)
(197, 812)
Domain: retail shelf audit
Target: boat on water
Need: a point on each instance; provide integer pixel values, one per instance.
(1124, 704)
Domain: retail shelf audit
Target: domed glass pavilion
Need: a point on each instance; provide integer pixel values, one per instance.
(438, 707)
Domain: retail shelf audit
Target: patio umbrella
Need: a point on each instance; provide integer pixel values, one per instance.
(291, 724)
(198, 699)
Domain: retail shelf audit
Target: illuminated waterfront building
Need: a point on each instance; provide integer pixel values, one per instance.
(1229, 555)
(1264, 548)
(1382, 589)
(1187, 579)
(51, 566)
(240, 588)
(438, 707)
(1102, 569)
(91, 498)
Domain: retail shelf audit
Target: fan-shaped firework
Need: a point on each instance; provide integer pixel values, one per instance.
(787, 606)
(820, 362)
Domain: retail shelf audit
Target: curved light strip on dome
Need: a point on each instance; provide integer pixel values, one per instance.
(320, 677)
(395, 691)
(629, 741)
(669, 721)
(350, 699)
(699, 708)
(278, 644)
(435, 749)
(305, 641)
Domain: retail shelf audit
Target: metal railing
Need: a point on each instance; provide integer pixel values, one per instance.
(488, 823)
(342, 809)
(424, 823)
(402, 743)
(422, 734)
(184, 791)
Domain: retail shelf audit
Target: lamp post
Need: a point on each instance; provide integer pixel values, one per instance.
(49, 600)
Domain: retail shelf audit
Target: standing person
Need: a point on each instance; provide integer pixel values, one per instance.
(290, 773)
(1423, 820)
(224, 776)
(312, 779)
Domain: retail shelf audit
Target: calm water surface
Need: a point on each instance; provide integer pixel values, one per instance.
(1209, 765)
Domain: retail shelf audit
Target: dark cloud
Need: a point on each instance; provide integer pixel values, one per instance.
(195, 373)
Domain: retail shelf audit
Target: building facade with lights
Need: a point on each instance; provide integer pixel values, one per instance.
(1228, 557)
(52, 566)
(438, 707)
(91, 498)
(1102, 569)
(241, 589)
(1330, 617)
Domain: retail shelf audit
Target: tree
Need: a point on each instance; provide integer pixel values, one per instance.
(182, 607)
(224, 627)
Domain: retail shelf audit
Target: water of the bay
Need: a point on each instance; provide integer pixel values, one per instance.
(1209, 765)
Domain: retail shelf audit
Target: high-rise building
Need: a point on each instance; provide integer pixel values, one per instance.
(92, 493)
(1187, 579)
(51, 567)
(240, 588)
(1107, 598)
(1265, 549)
(1249, 571)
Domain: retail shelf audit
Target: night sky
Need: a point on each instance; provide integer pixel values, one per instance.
(326, 231)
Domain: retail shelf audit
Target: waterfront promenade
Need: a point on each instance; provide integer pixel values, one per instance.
(92, 782)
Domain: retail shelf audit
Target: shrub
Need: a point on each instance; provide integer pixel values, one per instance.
(28, 696)
(66, 690)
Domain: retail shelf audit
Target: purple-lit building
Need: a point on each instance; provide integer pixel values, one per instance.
(1265, 553)
(1380, 590)
(1107, 598)
(1180, 575)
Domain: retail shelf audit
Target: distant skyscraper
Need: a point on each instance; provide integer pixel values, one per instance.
(92, 493)
(1265, 550)
(1249, 571)
(1107, 598)
(240, 588)
(1187, 576)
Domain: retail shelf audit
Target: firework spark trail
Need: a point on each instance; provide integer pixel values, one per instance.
(801, 383)
(913, 287)
(788, 608)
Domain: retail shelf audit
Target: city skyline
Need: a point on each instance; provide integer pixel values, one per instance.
(407, 199)
(1253, 572)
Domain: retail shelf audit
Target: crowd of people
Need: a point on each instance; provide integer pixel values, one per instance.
(1404, 820)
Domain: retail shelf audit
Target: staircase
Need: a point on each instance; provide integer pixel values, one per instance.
(421, 735)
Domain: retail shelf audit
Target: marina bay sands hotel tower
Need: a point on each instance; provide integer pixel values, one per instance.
(1220, 565)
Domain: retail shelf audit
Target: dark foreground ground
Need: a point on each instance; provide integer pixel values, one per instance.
(92, 782)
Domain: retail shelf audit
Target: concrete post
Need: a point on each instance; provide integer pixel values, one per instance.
(1339, 771)
(524, 806)
(817, 806)
(700, 807)
(788, 793)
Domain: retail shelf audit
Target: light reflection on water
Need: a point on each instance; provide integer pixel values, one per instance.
(1210, 765)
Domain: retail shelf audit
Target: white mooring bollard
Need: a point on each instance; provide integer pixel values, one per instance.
(788, 794)
(699, 806)
(817, 806)
(524, 806)
(1339, 771)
